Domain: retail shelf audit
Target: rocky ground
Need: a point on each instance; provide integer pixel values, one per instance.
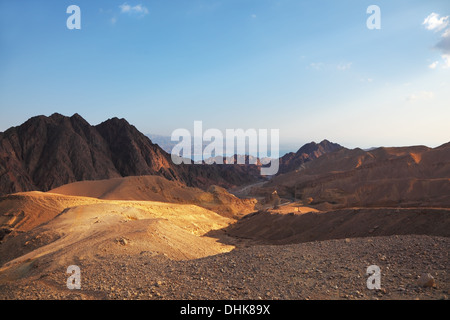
(331, 269)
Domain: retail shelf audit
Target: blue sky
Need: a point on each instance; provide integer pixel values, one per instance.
(309, 68)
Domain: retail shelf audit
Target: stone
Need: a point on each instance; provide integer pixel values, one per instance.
(426, 280)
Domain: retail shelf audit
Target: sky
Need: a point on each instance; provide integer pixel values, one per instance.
(312, 69)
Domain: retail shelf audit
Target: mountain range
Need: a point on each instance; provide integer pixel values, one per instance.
(382, 177)
(46, 152)
(310, 151)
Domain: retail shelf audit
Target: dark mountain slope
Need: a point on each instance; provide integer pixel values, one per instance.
(47, 152)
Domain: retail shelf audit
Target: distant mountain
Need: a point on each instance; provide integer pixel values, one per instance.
(310, 151)
(47, 152)
(167, 145)
(164, 142)
(401, 176)
(289, 162)
(244, 159)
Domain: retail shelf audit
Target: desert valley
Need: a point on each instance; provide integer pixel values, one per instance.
(107, 199)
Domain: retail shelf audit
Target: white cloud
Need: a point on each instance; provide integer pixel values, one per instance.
(317, 65)
(446, 58)
(433, 65)
(446, 33)
(344, 66)
(125, 8)
(254, 16)
(444, 44)
(369, 80)
(140, 9)
(436, 23)
(423, 95)
(137, 9)
(433, 22)
(329, 66)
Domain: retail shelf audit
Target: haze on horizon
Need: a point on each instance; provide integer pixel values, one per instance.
(309, 68)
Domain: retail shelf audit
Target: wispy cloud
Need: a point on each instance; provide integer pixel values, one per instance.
(446, 58)
(433, 65)
(137, 9)
(344, 66)
(423, 95)
(330, 66)
(444, 44)
(435, 23)
(317, 65)
(446, 33)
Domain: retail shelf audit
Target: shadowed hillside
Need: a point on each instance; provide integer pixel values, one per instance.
(406, 176)
(47, 152)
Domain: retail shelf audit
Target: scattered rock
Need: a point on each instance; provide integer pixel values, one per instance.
(426, 280)
(382, 290)
(260, 272)
(122, 241)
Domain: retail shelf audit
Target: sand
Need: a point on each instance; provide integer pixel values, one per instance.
(155, 188)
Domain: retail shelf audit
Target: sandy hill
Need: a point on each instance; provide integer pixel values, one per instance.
(47, 152)
(407, 176)
(149, 213)
(155, 188)
(49, 226)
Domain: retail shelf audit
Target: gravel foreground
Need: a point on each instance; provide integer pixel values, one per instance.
(321, 270)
